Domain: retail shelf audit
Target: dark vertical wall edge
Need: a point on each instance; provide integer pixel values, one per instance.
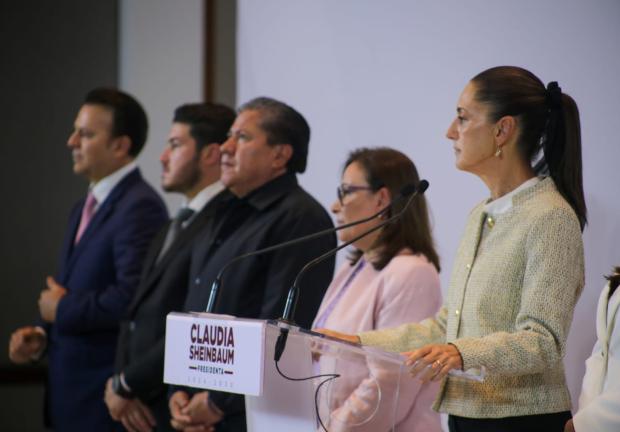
(52, 54)
(220, 51)
(116, 33)
(209, 49)
(226, 52)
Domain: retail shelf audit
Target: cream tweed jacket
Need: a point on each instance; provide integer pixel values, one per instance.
(509, 308)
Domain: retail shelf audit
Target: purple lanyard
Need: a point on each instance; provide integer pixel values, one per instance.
(327, 312)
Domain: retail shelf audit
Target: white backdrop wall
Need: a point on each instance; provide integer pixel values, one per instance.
(370, 73)
(161, 63)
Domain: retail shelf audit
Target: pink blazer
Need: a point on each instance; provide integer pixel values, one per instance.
(406, 290)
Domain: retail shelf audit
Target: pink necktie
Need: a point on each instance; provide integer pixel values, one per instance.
(87, 215)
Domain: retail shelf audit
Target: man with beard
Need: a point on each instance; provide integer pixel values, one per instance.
(136, 395)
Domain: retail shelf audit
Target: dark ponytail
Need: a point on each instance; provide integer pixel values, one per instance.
(550, 132)
(614, 280)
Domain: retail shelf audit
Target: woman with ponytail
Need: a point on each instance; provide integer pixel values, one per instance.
(519, 269)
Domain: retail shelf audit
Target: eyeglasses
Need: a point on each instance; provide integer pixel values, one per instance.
(344, 189)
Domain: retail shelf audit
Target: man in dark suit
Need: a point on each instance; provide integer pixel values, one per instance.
(267, 146)
(136, 395)
(105, 244)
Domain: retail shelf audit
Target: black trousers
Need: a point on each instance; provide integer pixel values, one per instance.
(533, 423)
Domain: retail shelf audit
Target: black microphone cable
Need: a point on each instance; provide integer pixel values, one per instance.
(316, 392)
(291, 301)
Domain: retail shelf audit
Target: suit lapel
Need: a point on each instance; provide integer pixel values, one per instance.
(154, 269)
(151, 259)
(68, 243)
(101, 216)
(601, 316)
(612, 311)
(148, 268)
(183, 237)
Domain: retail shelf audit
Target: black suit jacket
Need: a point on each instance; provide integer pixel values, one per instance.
(257, 287)
(162, 289)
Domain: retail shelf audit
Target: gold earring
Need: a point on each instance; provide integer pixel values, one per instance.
(498, 152)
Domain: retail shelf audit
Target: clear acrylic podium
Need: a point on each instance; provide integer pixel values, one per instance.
(221, 352)
(364, 396)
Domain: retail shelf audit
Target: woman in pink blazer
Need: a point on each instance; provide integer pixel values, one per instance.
(391, 278)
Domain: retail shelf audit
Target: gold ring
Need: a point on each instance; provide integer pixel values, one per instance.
(438, 364)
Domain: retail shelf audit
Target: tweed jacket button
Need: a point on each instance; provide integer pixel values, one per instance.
(490, 222)
(468, 266)
(457, 312)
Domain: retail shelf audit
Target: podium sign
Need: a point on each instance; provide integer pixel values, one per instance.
(214, 352)
(344, 386)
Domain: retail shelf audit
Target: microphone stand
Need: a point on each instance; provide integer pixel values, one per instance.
(293, 294)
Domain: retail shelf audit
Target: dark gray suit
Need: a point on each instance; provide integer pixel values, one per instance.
(162, 289)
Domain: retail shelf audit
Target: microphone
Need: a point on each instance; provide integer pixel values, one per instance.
(405, 193)
(293, 294)
(291, 300)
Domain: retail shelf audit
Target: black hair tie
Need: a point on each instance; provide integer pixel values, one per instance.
(554, 129)
(554, 96)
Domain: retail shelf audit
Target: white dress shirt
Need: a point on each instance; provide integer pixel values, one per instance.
(103, 188)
